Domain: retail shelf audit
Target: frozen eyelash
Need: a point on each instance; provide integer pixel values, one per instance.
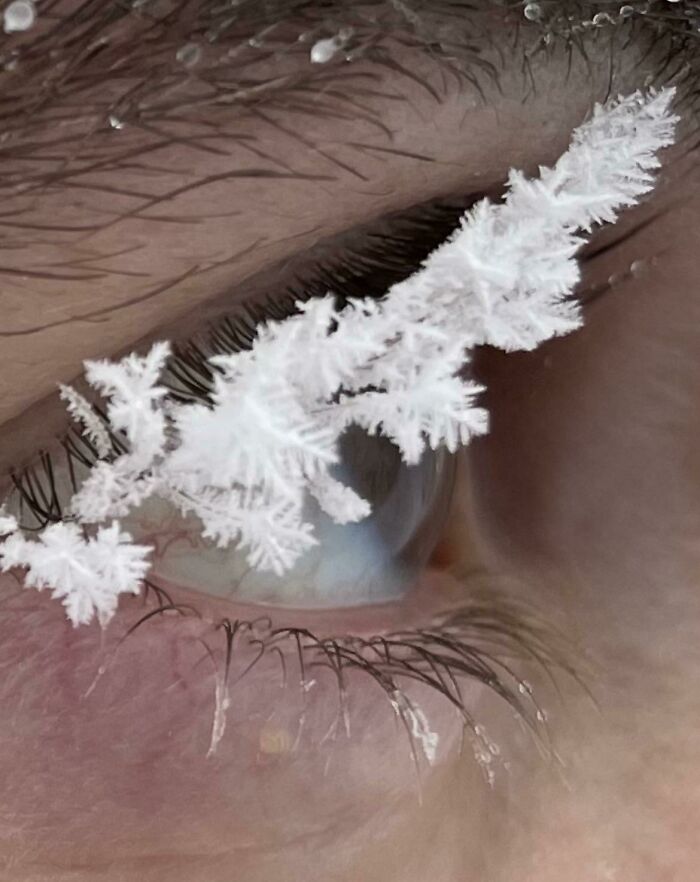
(243, 466)
(480, 642)
(385, 253)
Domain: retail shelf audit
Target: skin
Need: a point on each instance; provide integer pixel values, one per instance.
(584, 501)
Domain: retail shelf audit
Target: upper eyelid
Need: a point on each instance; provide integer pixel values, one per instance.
(17, 427)
(278, 284)
(0, 334)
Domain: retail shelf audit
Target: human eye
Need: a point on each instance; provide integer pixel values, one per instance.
(333, 727)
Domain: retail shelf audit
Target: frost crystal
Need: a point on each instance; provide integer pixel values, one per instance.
(246, 465)
(93, 427)
(8, 524)
(325, 50)
(88, 574)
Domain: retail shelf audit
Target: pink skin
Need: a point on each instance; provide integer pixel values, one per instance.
(593, 508)
(124, 735)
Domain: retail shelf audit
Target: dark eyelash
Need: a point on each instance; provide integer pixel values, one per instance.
(366, 266)
(480, 641)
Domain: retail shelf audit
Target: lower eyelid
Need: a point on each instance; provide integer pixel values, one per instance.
(156, 696)
(143, 651)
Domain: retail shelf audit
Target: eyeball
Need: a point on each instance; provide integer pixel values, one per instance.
(374, 560)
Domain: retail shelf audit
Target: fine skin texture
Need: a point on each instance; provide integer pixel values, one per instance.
(583, 502)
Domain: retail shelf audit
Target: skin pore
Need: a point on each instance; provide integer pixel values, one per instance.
(583, 502)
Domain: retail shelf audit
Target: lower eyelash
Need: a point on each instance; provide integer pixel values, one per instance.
(480, 641)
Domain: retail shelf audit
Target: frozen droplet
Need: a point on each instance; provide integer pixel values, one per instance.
(638, 267)
(541, 715)
(532, 11)
(115, 122)
(19, 16)
(524, 688)
(189, 54)
(626, 11)
(323, 50)
(601, 18)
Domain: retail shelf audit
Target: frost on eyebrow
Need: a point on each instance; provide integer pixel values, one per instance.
(90, 68)
(244, 466)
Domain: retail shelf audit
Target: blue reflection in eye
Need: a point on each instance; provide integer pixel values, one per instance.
(375, 560)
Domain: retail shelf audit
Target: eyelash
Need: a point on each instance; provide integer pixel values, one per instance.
(469, 643)
(387, 252)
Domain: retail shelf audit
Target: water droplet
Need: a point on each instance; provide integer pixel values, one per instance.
(532, 11)
(189, 54)
(541, 715)
(324, 50)
(524, 688)
(638, 267)
(115, 122)
(601, 18)
(626, 11)
(19, 16)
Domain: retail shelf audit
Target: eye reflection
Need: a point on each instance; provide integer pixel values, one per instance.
(375, 560)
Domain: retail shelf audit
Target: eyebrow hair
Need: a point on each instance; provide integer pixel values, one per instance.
(90, 66)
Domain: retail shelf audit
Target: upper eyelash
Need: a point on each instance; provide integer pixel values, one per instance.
(388, 251)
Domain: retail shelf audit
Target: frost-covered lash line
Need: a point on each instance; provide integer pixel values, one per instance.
(503, 278)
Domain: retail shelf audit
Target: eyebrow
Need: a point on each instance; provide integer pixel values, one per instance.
(89, 66)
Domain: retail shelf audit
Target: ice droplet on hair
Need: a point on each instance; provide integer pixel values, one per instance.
(19, 16)
(189, 54)
(532, 11)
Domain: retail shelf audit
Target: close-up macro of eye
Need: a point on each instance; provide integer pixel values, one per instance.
(349, 441)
